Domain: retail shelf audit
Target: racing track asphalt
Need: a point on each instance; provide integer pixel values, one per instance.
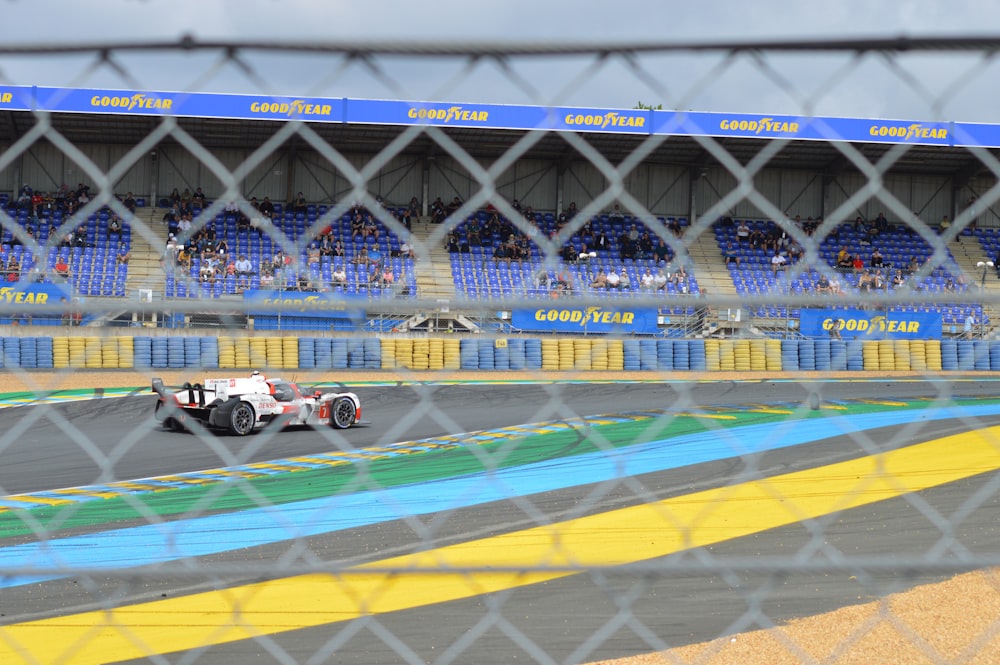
(558, 615)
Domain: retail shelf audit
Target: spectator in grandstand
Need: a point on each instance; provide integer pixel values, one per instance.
(406, 219)
(645, 247)
(876, 258)
(968, 326)
(388, 277)
(361, 258)
(542, 279)
(299, 204)
(857, 264)
(183, 256)
(451, 243)
(660, 280)
(646, 281)
(778, 262)
(730, 255)
(357, 227)
(338, 249)
(585, 254)
(944, 224)
(175, 197)
(502, 253)
(438, 211)
(61, 267)
(563, 284)
(878, 280)
(406, 249)
(455, 204)
(600, 281)
(123, 254)
(13, 269)
(823, 284)
(613, 280)
(313, 254)
(661, 251)
(414, 207)
(743, 232)
(835, 329)
(794, 252)
(601, 242)
(114, 226)
(571, 210)
(898, 279)
(843, 259)
(130, 202)
(326, 247)
(626, 248)
(616, 214)
(266, 278)
(339, 276)
(267, 208)
(625, 282)
(473, 233)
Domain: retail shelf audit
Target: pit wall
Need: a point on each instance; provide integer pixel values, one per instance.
(127, 352)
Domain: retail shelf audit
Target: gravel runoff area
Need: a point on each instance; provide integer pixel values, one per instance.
(929, 624)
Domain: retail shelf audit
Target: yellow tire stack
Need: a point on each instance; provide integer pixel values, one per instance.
(274, 352)
(599, 354)
(256, 352)
(435, 353)
(583, 358)
(388, 354)
(109, 353)
(772, 354)
(452, 349)
(566, 350)
(126, 352)
(550, 354)
(421, 353)
(901, 352)
(227, 353)
(60, 352)
(404, 353)
(741, 355)
(932, 352)
(886, 355)
(92, 353)
(616, 355)
(870, 355)
(77, 352)
(242, 353)
(758, 354)
(290, 352)
(713, 359)
(727, 355)
(918, 355)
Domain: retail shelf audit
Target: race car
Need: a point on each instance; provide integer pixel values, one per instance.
(241, 405)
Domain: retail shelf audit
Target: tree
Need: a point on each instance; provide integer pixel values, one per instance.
(648, 107)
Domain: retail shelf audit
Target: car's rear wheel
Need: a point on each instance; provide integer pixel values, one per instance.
(342, 413)
(242, 419)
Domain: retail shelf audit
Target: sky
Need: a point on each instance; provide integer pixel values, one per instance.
(936, 86)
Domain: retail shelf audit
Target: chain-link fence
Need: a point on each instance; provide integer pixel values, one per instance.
(741, 345)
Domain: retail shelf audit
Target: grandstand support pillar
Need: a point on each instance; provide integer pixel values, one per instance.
(695, 174)
(154, 177)
(290, 158)
(425, 185)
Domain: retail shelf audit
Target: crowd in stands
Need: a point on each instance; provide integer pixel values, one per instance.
(859, 257)
(356, 254)
(47, 239)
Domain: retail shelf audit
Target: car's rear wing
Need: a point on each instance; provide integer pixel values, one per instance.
(195, 393)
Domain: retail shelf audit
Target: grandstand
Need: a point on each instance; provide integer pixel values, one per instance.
(487, 252)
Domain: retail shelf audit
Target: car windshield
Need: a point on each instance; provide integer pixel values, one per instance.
(283, 392)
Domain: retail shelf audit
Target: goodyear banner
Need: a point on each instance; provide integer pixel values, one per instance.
(589, 319)
(299, 303)
(862, 324)
(495, 116)
(28, 296)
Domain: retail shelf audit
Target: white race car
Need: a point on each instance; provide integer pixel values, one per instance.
(244, 404)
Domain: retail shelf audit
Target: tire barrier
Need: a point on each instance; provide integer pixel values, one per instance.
(474, 353)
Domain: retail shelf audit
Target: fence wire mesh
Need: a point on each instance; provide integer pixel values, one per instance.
(562, 518)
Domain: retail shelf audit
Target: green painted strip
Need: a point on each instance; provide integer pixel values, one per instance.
(424, 461)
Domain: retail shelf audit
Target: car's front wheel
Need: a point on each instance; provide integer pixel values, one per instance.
(342, 413)
(242, 419)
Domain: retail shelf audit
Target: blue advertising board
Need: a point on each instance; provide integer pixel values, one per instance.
(590, 319)
(495, 116)
(864, 324)
(324, 305)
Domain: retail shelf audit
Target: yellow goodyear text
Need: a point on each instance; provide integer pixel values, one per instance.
(293, 108)
(605, 120)
(584, 316)
(759, 126)
(308, 302)
(912, 132)
(873, 325)
(6, 97)
(9, 295)
(129, 102)
(450, 114)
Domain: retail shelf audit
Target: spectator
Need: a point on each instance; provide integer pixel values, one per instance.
(198, 198)
(743, 232)
(267, 208)
(660, 280)
(730, 255)
(778, 262)
(614, 280)
(266, 278)
(625, 281)
(823, 284)
(857, 264)
(129, 202)
(876, 258)
(61, 267)
(646, 281)
(616, 214)
(124, 254)
(299, 204)
(313, 254)
(600, 281)
(339, 276)
(114, 226)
